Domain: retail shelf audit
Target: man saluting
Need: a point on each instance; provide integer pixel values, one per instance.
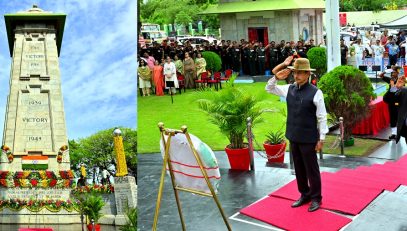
(306, 126)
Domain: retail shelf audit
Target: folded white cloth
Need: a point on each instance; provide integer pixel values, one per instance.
(185, 167)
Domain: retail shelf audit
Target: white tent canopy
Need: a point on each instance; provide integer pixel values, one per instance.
(400, 23)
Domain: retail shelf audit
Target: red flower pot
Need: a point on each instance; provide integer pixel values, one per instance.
(239, 159)
(90, 227)
(275, 152)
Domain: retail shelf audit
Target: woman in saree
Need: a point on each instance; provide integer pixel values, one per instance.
(158, 78)
(189, 71)
(144, 74)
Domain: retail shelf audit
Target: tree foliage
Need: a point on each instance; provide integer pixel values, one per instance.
(371, 5)
(177, 11)
(97, 150)
(347, 93)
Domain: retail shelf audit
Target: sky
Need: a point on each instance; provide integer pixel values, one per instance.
(97, 62)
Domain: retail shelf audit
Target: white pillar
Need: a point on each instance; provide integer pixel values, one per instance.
(332, 34)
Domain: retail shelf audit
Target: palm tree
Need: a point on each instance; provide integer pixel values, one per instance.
(229, 109)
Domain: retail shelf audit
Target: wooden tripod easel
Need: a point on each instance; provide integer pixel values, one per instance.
(167, 161)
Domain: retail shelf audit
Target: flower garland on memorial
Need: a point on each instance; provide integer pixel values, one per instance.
(38, 205)
(37, 179)
(93, 189)
(61, 151)
(6, 150)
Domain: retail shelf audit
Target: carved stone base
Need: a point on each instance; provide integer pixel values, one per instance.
(44, 216)
(125, 192)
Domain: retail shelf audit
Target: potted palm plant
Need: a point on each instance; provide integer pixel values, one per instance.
(92, 207)
(229, 109)
(275, 146)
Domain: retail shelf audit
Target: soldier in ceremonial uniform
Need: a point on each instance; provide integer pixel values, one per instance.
(224, 56)
(157, 52)
(261, 58)
(252, 59)
(245, 58)
(301, 50)
(235, 51)
(274, 55)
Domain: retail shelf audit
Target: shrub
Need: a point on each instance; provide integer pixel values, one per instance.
(92, 207)
(347, 93)
(213, 61)
(318, 61)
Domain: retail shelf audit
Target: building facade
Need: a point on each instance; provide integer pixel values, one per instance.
(270, 20)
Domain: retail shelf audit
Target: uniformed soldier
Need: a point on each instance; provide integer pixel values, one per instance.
(273, 55)
(236, 58)
(157, 52)
(252, 59)
(261, 58)
(310, 44)
(301, 50)
(245, 58)
(224, 56)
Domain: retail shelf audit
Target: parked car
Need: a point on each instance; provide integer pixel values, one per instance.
(197, 40)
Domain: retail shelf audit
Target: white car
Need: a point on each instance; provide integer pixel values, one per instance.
(197, 40)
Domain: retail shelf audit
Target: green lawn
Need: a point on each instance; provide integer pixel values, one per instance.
(362, 147)
(184, 111)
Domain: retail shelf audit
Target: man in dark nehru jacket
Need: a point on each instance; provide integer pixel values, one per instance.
(392, 104)
(306, 127)
(398, 93)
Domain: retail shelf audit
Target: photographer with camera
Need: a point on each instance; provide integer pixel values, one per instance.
(306, 126)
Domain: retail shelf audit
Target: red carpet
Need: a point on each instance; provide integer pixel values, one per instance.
(367, 180)
(337, 194)
(347, 191)
(278, 212)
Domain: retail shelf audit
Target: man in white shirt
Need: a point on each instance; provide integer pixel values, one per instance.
(306, 126)
(359, 48)
(378, 51)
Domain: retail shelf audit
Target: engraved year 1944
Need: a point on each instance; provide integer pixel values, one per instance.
(34, 138)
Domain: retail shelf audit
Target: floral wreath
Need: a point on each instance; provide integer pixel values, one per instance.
(61, 151)
(6, 150)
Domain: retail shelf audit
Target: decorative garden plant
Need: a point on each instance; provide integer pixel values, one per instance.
(213, 61)
(347, 93)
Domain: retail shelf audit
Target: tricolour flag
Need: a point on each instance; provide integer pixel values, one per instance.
(34, 162)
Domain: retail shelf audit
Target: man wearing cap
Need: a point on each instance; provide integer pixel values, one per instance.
(306, 127)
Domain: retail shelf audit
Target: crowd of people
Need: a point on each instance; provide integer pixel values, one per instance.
(375, 46)
(252, 58)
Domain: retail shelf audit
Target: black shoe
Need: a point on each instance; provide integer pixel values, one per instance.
(392, 137)
(314, 206)
(301, 201)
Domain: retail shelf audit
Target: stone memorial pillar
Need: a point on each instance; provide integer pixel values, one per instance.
(34, 128)
(34, 125)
